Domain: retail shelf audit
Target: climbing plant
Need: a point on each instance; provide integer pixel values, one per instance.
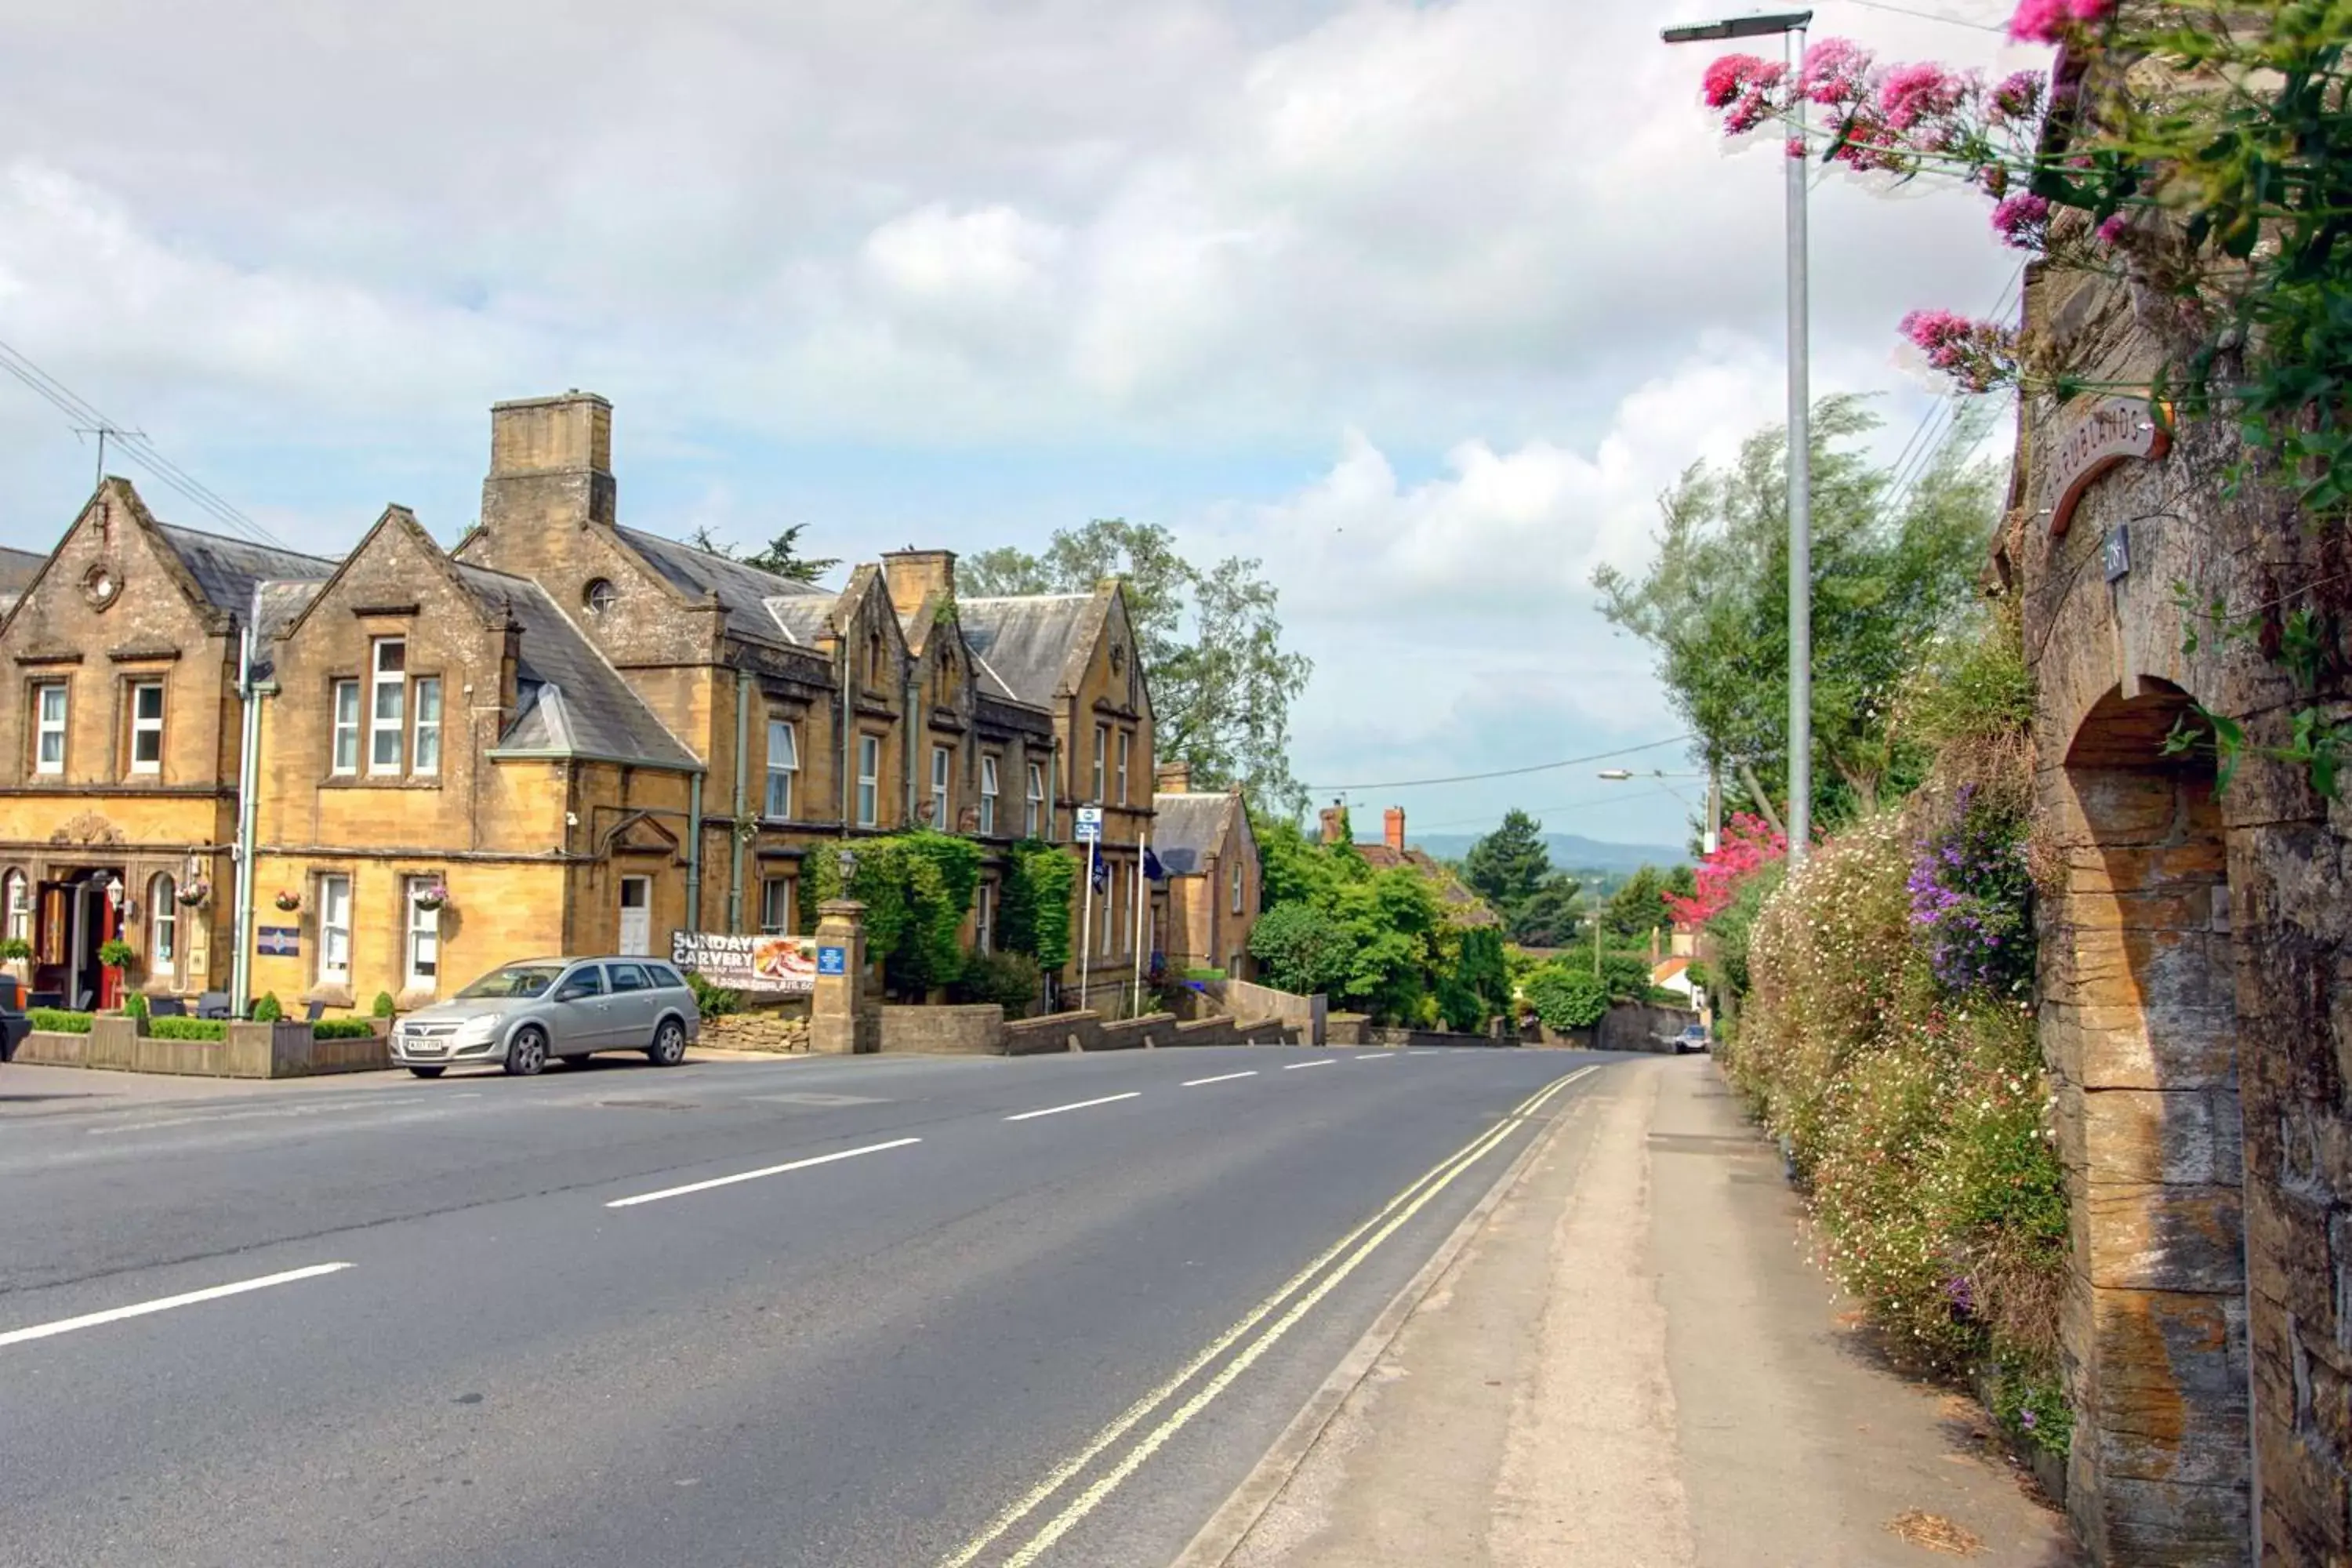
(1033, 916)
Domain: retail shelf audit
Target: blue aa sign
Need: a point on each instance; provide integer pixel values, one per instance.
(1090, 825)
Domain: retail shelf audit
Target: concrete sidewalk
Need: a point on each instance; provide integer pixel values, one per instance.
(1633, 1365)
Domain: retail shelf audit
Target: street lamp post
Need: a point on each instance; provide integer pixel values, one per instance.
(1791, 25)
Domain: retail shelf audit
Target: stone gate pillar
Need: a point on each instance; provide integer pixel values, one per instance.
(841, 1019)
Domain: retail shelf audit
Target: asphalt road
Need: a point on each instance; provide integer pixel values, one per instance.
(888, 1311)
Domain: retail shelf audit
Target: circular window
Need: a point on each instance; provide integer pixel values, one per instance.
(599, 595)
(100, 586)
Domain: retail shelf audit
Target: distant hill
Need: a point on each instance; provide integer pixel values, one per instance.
(1570, 851)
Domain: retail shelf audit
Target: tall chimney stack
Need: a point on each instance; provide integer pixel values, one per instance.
(550, 464)
(1393, 827)
(1175, 778)
(1335, 823)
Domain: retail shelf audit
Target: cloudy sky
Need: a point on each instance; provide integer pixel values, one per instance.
(1420, 304)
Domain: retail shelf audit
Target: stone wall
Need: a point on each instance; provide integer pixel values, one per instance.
(976, 1030)
(1629, 1028)
(777, 1029)
(1245, 999)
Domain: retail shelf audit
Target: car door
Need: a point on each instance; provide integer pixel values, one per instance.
(579, 1012)
(632, 1004)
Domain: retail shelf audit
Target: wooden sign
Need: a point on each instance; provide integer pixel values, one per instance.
(2110, 431)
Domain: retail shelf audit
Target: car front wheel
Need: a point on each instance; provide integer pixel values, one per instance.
(669, 1048)
(526, 1053)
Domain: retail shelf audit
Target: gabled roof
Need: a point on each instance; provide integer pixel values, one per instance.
(17, 568)
(1025, 643)
(1187, 828)
(742, 590)
(570, 702)
(227, 571)
(1461, 903)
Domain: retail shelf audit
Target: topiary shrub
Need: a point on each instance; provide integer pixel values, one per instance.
(383, 1006)
(135, 1004)
(267, 1010)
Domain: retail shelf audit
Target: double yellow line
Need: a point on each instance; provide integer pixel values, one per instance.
(1310, 1286)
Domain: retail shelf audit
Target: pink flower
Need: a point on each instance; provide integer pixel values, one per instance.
(1836, 71)
(1979, 355)
(1914, 93)
(1732, 74)
(2022, 221)
(2112, 231)
(1795, 147)
(2049, 21)
(2018, 96)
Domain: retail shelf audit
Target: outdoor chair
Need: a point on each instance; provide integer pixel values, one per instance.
(56, 999)
(213, 1005)
(167, 1007)
(83, 999)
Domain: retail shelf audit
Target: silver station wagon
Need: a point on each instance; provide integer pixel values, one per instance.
(519, 1015)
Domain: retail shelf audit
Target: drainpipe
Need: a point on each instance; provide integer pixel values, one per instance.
(742, 774)
(694, 851)
(250, 692)
(844, 737)
(913, 749)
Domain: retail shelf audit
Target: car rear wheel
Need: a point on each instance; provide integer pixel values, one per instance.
(669, 1048)
(428, 1072)
(526, 1053)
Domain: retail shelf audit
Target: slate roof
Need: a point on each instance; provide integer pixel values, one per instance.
(572, 703)
(228, 570)
(1459, 902)
(743, 591)
(17, 568)
(1025, 642)
(1187, 828)
(801, 617)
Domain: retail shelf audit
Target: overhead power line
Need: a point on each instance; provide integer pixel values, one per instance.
(1498, 773)
(84, 418)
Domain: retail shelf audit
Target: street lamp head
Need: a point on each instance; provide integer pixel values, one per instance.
(1617, 775)
(1760, 26)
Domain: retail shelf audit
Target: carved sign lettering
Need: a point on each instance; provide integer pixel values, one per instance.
(2109, 432)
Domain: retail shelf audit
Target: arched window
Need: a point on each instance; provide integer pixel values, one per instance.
(163, 928)
(16, 906)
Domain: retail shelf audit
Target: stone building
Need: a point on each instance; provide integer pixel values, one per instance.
(1203, 841)
(559, 733)
(2195, 999)
(1391, 853)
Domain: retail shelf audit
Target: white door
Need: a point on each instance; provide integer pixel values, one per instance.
(637, 915)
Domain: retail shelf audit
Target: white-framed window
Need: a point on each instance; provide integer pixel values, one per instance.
(163, 928)
(18, 897)
(869, 779)
(783, 761)
(942, 770)
(387, 704)
(1238, 887)
(1124, 739)
(49, 718)
(776, 906)
(146, 726)
(335, 928)
(423, 943)
(984, 919)
(427, 753)
(1102, 753)
(987, 796)
(1034, 822)
(1104, 938)
(346, 698)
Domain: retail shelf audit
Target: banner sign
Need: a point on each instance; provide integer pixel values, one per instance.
(770, 963)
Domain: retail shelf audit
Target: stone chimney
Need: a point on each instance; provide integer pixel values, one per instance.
(1335, 823)
(1175, 778)
(912, 575)
(1393, 827)
(550, 464)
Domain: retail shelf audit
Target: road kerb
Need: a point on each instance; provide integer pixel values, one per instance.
(1227, 1528)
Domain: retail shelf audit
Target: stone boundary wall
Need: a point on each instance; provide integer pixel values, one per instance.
(1089, 1032)
(1426, 1039)
(1245, 999)
(251, 1050)
(976, 1030)
(1628, 1027)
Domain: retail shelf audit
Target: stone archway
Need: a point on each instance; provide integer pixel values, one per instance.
(2138, 1024)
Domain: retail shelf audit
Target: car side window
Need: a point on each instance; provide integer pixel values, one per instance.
(665, 977)
(582, 983)
(627, 977)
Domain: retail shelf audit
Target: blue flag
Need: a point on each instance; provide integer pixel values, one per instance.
(1101, 873)
(1151, 866)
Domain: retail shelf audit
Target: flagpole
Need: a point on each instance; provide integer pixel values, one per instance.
(1141, 854)
(1086, 927)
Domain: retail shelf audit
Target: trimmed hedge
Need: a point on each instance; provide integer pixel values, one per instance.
(57, 1021)
(342, 1029)
(188, 1028)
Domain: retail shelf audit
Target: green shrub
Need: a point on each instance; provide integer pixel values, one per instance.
(57, 1021)
(1034, 908)
(1205, 974)
(15, 950)
(712, 1001)
(342, 1029)
(1566, 997)
(1302, 950)
(267, 1010)
(135, 1004)
(917, 888)
(383, 1006)
(188, 1028)
(1011, 980)
(114, 953)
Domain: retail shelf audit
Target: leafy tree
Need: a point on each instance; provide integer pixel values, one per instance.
(1211, 639)
(1034, 917)
(1507, 866)
(1553, 916)
(1891, 573)
(780, 555)
(1639, 907)
(1473, 985)
(1300, 948)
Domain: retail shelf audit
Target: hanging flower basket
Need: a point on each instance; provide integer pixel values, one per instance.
(195, 893)
(433, 896)
(289, 901)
